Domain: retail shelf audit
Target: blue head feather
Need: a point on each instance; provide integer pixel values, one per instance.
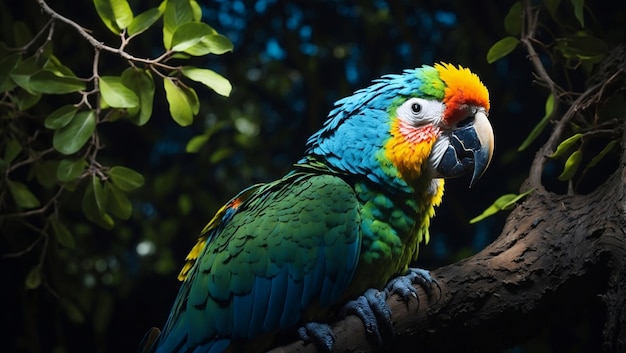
(355, 133)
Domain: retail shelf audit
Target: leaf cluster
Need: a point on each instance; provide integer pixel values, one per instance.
(584, 103)
(52, 121)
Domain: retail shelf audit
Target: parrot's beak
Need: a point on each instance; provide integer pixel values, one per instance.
(470, 147)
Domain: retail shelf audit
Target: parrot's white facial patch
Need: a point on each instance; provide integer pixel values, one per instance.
(418, 112)
(439, 148)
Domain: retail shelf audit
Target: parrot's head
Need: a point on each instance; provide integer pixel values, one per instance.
(407, 129)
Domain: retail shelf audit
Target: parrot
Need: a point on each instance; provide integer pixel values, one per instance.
(348, 218)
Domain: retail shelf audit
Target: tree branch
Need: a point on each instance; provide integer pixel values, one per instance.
(98, 45)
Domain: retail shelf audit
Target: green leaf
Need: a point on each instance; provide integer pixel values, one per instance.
(115, 94)
(26, 100)
(552, 6)
(565, 146)
(22, 196)
(47, 82)
(12, 150)
(195, 144)
(98, 193)
(185, 204)
(60, 117)
(33, 278)
(72, 137)
(578, 11)
(117, 202)
(21, 34)
(513, 19)
(62, 234)
(209, 78)
(192, 98)
(536, 131)
(501, 48)
(125, 178)
(143, 21)
(509, 205)
(72, 311)
(6, 66)
(504, 202)
(211, 44)
(92, 212)
(181, 56)
(196, 10)
(188, 34)
(176, 13)
(571, 166)
(123, 13)
(45, 172)
(142, 83)
(582, 46)
(23, 71)
(115, 14)
(602, 153)
(105, 11)
(220, 154)
(45, 53)
(179, 104)
(69, 170)
(54, 64)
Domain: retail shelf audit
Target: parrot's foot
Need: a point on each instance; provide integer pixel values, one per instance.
(372, 309)
(403, 285)
(321, 335)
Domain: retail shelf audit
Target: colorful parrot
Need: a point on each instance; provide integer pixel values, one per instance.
(349, 217)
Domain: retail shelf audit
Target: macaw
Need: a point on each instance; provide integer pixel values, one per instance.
(348, 218)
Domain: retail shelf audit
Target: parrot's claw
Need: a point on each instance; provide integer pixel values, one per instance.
(321, 335)
(403, 285)
(372, 309)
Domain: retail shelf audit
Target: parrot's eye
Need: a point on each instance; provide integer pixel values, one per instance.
(420, 111)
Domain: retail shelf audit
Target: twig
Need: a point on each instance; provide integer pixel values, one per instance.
(530, 19)
(96, 78)
(100, 45)
(529, 27)
(36, 211)
(25, 47)
(26, 250)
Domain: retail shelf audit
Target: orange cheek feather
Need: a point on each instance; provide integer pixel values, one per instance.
(409, 147)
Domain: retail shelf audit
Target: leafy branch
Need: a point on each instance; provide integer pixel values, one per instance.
(57, 145)
(579, 51)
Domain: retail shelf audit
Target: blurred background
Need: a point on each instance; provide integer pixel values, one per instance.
(291, 61)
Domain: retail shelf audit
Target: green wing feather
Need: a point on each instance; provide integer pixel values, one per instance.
(281, 253)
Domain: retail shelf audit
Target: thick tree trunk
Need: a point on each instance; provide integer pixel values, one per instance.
(559, 262)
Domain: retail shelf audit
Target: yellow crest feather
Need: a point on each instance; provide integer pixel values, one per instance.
(463, 89)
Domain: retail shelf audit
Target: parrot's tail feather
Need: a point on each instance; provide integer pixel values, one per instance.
(148, 341)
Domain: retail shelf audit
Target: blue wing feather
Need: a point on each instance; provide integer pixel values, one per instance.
(242, 310)
(260, 297)
(291, 309)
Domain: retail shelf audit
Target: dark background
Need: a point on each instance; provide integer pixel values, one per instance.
(291, 61)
